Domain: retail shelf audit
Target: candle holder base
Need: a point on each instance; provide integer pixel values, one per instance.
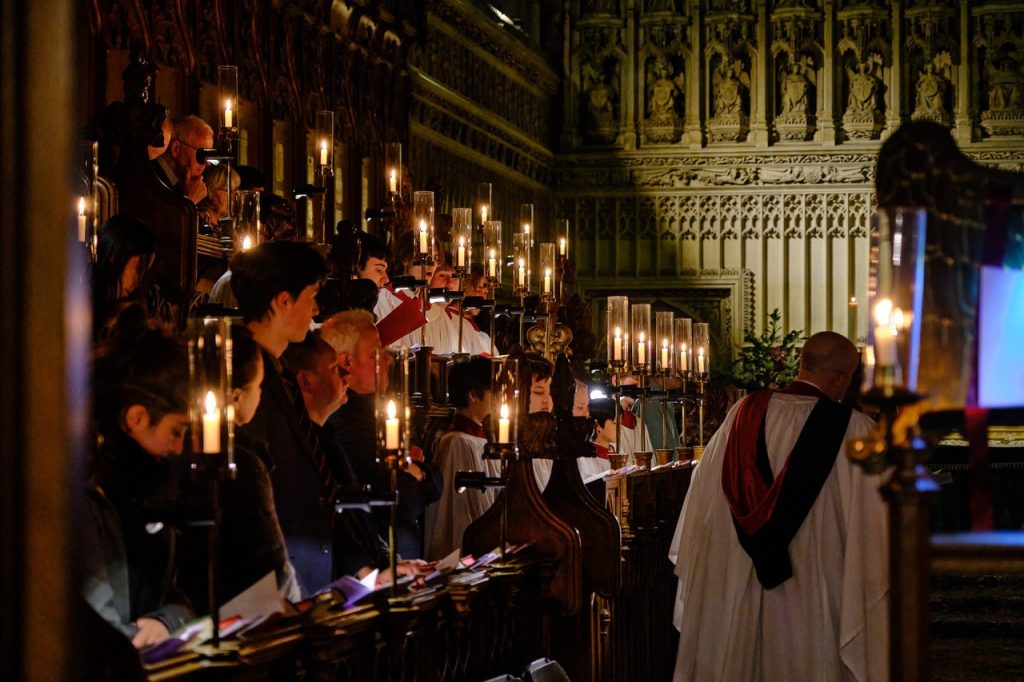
(663, 456)
(617, 461)
(684, 454)
(698, 452)
(643, 458)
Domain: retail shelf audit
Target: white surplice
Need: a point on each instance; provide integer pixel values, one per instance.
(442, 333)
(447, 519)
(829, 622)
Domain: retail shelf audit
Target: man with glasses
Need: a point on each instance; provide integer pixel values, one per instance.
(177, 167)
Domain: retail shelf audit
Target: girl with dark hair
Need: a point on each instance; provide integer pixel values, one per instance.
(125, 252)
(140, 398)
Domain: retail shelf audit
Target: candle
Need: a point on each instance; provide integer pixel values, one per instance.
(641, 351)
(700, 360)
(393, 181)
(617, 345)
(503, 424)
(522, 273)
(323, 152)
(492, 265)
(211, 425)
(483, 214)
(81, 219)
(885, 346)
(246, 243)
(460, 259)
(423, 237)
(547, 280)
(561, 247)
(229, 117)
(391, 427)
(852, 319)
(684, 365)
(664, 354)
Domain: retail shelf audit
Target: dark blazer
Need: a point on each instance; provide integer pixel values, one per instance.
(356, 435)
(303, 511)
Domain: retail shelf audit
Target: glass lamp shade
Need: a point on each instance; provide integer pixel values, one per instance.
(618, 331)
(701, 348)
(505, 395)
(227, 98)
(423, 226)
(491, 253)
(483, 203)
(462, 240)
(547, 271)
(664, 341)
(248, 230)
(392, 407)
(521, 264)
(211, 416)
(684, 344)
(393, 168)
(640, 316)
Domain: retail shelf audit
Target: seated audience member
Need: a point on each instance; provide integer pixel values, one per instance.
(140, 410)
(178, 167)
(214, 205)
(358, 548)
(275, 285)
(461, 448)
(355, 339)
(251, 541)
(125, 252)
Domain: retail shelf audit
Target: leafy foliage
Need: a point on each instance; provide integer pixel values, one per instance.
(770, 360)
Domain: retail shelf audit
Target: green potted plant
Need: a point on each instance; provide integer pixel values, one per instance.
(770, 360)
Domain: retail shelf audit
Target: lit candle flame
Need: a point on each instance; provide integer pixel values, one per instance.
(81, 205)
(392, 410)
(211, 403)
(503, 411)
(246, 243)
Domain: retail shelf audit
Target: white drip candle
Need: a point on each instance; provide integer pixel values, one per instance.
(460, 256)
(423, 237)
(664, 354)
(561, 247)
(700, 360)
(211, 425)
(617, 345)
(503, 424)
(323, 152)
(547, 280)
(641, 350)
(229, 116)
(522, 273)
(391, 427)
(492, 265)
(393, 181)
(81, 219)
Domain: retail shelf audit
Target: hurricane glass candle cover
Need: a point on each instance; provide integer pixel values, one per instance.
(504, 401)
(491, 253)
(483, 203)
(392, 402)
(547, 271)
(526, 223)
(684, 345)
(702, 349)
(325, 141)
(211, 416)
(462, 240)
(423, 226)
(86, 204)
(227, 99)
(617, 329)
(664, 341)
(521, 264)
(640, 316)
(247, 224)
(393, 169)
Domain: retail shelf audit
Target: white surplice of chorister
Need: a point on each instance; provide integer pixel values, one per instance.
(826, 623)
(442, 332)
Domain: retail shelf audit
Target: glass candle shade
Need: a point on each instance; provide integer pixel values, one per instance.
(684, 344)
(462, 240)
(423, 226)
(227, 98)
(664, 341)
(392, 407)
(521, 264)
(701, 349)
(248, 231)
(491, 253)
(86, 204)
(618, 331)
(547, 271)
(505, 396)
(640, 316)
(483, 203)
(527, 225)
(211, 416)
(562, 237)
(393, 169)
(324, 153)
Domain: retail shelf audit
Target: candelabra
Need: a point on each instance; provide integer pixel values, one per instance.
(392, 418)
(324, 172)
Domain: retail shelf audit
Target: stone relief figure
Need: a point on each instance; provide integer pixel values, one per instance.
(863, 118)
(663, 90)
(730, 84)
(727, 94)
(863, 89)
(1004, 90)
(600, 104)
(796, 83)
(930, 101)
(794, 90)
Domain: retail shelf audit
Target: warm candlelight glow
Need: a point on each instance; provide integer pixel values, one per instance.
(561, 247)
(323, 152)
(503, 423)
(211, 425)
(391, 427)
(82, 222)
(664, 354)
(393, 181)
(700, 360)
(246, 243)
(641, 350)
(483, 214)
(547, 280)
(522, 273)
(460, 260)
(229, 117)
(424, 247)
(492, 264)
(617, 345)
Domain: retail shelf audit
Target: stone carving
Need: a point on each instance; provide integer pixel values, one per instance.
(797, 88)
(730, 86)
(1004, 115)
(863, 118)
(599, 80)
(664, 101)
(931, 94)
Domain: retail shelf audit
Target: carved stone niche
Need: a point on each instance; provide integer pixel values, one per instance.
(730, 56)
(722, 298)
(1001, 46)
(929, 60)
(602, 57)
(798, 57)
(663, 55)
(865, 55)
